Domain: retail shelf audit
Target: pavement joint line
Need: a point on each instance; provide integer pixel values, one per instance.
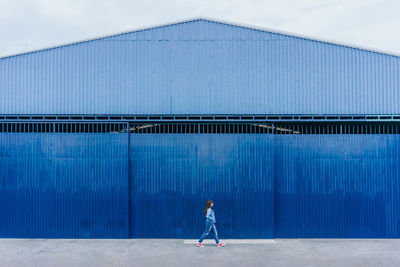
(232, 241)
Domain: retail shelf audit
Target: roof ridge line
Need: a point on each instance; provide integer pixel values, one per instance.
(104, 36)
(302, 36)
(209, 19)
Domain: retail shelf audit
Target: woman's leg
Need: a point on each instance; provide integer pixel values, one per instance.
(206, 232)
(215, 233)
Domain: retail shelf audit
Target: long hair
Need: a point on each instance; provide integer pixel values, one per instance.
(208, 205)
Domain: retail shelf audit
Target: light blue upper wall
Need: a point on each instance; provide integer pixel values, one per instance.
(200, 67)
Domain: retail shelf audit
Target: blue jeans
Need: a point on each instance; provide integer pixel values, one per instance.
(209, 226)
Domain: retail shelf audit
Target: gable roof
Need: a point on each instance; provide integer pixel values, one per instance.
(217, 21)
(200, 66)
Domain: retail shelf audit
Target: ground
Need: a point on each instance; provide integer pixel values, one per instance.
(176, 252)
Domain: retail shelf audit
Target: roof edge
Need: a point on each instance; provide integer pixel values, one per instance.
(220, 21)
(99, 37)
(303, 36)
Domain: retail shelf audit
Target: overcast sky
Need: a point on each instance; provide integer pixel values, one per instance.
(32, 24)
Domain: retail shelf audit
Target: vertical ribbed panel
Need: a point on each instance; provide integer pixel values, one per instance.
(63, 186)
(77, 185)
(174, 175)
(337, 186)
(200, 67)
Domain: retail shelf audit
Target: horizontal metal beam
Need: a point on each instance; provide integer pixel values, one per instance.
(205, 118)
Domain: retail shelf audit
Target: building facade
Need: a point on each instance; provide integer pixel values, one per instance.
(127, 136)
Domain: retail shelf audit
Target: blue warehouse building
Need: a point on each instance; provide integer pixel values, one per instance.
(127, 136)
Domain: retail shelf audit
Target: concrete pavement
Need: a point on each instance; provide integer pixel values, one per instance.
(176, 252)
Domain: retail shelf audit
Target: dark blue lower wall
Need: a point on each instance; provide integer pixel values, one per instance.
(63, 186)
(337, 186)
(174, 175)
(155, 186)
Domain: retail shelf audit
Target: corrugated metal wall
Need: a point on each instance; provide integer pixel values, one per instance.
(174, 175)
(63, 185)
(86, 185)
(200, 67)
(337, 186)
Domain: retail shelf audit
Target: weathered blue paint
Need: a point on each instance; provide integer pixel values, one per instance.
(200, 67)
(63, 186)
(337, 186)
(174, 175)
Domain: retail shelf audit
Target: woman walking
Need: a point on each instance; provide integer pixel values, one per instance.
(210, 224)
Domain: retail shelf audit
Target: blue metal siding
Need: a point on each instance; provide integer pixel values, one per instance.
(200, 67)
(174, 175)
(63, 186)
(337, 186)
(264, 186)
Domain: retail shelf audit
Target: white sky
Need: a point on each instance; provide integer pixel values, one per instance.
(32, 24)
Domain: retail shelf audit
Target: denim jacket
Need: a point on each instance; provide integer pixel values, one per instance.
(210, 216)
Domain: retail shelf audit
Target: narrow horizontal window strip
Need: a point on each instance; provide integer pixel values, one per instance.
(201, 128)
(63, 127)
